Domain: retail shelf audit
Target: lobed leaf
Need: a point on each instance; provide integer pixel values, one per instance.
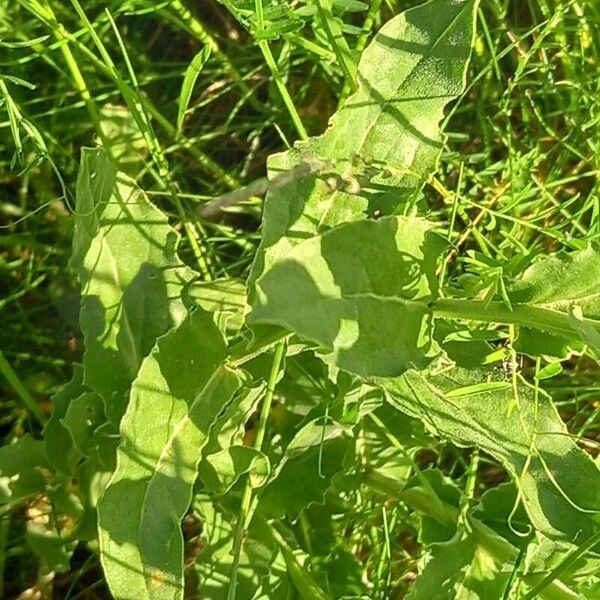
(361, 291)
(567, 284)
(181, 388)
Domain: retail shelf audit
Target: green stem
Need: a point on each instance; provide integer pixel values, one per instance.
(360, 45)
(78, 79)
(338, 42)
(533, 317)
(273, 67)
(246, 506)
(203, 159)
(21, 390)
(285, 95)
(197, 28)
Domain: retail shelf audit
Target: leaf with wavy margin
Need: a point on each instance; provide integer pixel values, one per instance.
(125, 255)
(385, 141)
(181, 388)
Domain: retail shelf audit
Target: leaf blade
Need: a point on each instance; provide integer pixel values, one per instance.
(124, 253)
(174, 401)
(415, 65)
(348, 288)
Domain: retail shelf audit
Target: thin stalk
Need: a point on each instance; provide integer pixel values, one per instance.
(130, 95)
(161, 159)
(362, 42)
(276, 73)
(246, 507)
(338, 42)
(21, 390)
(534, 317)
(197, 28)
(4, 531)
(203, 159)
(78, 79)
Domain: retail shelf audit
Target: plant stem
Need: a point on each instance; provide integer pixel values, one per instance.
(197, 28)
(270, 60)
(246, 506)
(78, 79)
(534, 317)
(21, 390)
(338, 42)
(360, 46)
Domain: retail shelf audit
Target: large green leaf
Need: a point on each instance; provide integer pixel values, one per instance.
(353, 286)
(124, 252)
(385, 141)
(181, 388)
(559, 482)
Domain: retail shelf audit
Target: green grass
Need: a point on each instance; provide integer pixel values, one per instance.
(519, 174)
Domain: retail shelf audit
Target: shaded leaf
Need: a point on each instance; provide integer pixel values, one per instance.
(181, 388)
(559, 483)
(262, 572)
(60, 448)
(347, 289)
(24, 470)
(124, 252)
(224, 297)
(84, 415)
(316, 454)
(220, 471)
(385, 140)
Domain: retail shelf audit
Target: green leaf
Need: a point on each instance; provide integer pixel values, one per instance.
(462, 569)
(189, 80)
(24, 470)
(385, 140)
(350, 287)
(224, 458)
(221, 470)
(128, 148)
(262, 570)
(60, 449)
(559, 482)
(181, 388)
(124, 252)
(224, 297)
(567, 283)
(84, 415)
(315, 455)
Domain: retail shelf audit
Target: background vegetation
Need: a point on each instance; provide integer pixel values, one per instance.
(519, 174)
